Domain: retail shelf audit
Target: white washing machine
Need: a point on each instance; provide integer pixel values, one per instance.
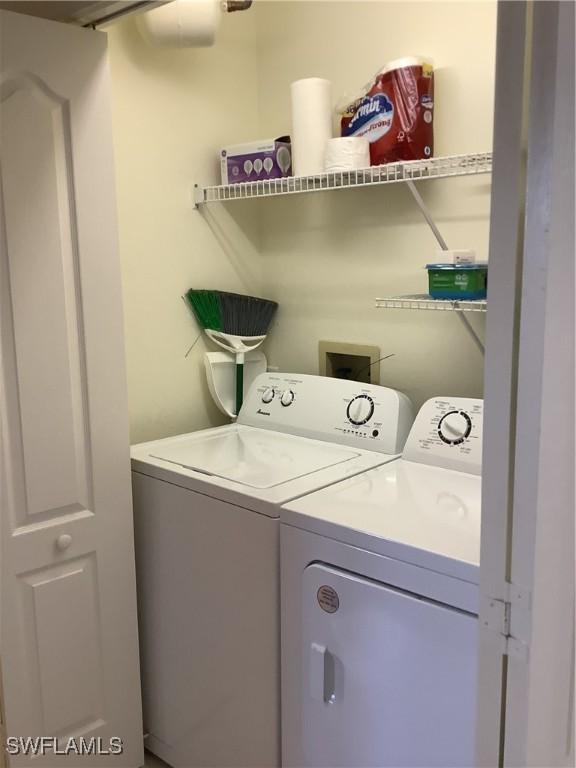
(379, 605)
(206, 508)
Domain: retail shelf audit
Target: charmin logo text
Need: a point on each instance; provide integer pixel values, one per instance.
(373, 117)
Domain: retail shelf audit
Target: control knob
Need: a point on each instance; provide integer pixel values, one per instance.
(287, 397)
(455, 427)
(268, 395)
(360, 409)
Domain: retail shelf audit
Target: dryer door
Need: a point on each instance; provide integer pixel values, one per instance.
(389, 679)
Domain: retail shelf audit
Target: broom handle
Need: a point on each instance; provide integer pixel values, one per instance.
(239, 381)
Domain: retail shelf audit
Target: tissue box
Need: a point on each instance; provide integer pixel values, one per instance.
(460, 256)
(256, 161)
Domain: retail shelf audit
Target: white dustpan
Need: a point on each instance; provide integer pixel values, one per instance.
(221, 376)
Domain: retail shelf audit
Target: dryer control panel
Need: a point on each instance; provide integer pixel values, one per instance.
(448, 433)
(340, 411)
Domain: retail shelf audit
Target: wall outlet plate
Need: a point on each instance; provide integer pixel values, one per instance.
(344, 360)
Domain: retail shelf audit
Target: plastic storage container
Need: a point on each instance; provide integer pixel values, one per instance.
(457, 281)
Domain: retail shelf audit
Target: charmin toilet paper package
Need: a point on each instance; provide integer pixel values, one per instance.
(256, 161)
(395, 113)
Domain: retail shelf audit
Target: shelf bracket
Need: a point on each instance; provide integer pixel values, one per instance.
(426, 213)
(198, 196)
(443, 245)
(471, 330)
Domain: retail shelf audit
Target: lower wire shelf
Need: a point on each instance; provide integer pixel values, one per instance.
(424, 301)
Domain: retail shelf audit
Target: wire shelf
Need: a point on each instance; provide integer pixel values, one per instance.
(423, 301)
(393, 173)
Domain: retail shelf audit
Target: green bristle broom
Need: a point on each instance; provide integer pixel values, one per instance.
(235, 322)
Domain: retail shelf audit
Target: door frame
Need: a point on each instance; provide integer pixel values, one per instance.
(526, 640)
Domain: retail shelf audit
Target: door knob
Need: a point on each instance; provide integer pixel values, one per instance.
(63, 541)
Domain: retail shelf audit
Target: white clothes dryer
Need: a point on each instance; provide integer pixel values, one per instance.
(206, 508)
(379, 605)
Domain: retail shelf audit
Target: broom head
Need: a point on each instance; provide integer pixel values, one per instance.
(232, 313)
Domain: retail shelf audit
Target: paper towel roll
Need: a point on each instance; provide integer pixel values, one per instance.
(347, 153)
(311, 124)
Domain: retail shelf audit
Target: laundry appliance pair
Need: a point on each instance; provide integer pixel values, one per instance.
(306, 465)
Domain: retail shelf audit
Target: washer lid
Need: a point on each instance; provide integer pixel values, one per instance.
(255, 458)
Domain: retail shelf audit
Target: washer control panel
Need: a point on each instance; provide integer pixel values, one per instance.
(337, 410)
(447, 433)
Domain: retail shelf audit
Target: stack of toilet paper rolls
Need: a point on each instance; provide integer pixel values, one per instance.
(314, 150)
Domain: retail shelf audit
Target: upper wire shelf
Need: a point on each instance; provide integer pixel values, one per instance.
(392, 173)
(423, 301)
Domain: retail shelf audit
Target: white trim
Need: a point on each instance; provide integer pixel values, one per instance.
(538, 730)
(507, 210)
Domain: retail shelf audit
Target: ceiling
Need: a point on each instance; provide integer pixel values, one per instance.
(81, 12)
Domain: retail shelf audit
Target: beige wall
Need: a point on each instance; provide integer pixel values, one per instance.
(326, 257)
(172, 109)
(323, 257)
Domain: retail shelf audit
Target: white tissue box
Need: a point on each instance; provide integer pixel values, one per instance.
(461, 256)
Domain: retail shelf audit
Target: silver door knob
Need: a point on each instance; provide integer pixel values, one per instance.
(63, 541)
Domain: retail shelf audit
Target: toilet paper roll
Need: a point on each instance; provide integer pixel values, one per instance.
(182, 24)
(347, 153)
(311, 124)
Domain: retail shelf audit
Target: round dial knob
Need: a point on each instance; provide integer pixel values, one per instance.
(455, 427)
(268, 395)
(287, 397)
(360, 409)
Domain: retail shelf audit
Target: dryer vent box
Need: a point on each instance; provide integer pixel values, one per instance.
(342, 360)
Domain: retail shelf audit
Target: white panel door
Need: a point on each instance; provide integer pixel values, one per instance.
(69, 633)
(388, 679)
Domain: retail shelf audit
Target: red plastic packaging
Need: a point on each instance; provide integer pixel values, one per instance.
(396, 114)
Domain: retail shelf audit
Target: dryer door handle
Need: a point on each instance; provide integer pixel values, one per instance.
(322, 674)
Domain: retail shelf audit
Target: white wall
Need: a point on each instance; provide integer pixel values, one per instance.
(326, 257)
(172, 109)
(323, 257)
